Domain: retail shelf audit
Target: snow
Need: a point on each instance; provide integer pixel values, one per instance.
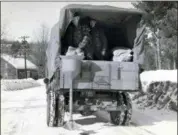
(24, 113)
(149, 77)
(18, 84)
(18, 63)
(41, 81)
(162, 122)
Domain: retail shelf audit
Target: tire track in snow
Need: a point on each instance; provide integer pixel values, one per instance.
(136, 125)
(27, 123)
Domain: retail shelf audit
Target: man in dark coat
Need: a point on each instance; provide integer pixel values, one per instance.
(87, 35)
(78, 35)
(99, 41)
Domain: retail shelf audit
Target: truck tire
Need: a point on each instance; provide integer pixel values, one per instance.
(128, 112)
(55, 109)
(122, 117)
(51, 107)
(60, 111)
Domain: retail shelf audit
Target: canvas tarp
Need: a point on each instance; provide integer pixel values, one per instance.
(106, 14)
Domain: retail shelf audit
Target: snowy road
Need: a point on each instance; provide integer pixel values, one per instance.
(24, 113)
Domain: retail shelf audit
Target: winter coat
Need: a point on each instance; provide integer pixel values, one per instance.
(79, 37)
(99, 42)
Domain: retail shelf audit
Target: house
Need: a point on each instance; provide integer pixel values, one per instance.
(14, 68)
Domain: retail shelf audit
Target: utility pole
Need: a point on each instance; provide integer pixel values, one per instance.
(24, 43)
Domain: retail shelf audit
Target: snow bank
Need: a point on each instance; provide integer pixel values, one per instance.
(159, 89)
(18, 84)
(149, 77)
(41, 81)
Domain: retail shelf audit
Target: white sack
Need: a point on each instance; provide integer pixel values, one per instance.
(122, 55)
(74, 51)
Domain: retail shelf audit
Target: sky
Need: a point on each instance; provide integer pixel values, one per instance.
(25, 18)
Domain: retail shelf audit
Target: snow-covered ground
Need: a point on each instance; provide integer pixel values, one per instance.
(24, 113)
(19, 84)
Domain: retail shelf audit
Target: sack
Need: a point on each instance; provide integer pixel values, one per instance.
(74, 51)
(121, 55)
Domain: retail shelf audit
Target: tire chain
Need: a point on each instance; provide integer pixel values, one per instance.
(61, 111)
(124, 99)
(128, 113)
(117, 117)
(52, 108)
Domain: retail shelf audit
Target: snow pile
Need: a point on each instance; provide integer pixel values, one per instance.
(41, 81)
(122, 55)
(18, 84)
(159, 90)
(149, 77)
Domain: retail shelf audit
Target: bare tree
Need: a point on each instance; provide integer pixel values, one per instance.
(39, 48)
(4, 29)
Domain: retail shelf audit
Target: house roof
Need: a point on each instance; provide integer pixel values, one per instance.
(18, 63)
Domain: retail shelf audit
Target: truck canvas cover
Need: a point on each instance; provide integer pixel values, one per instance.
(110, 16)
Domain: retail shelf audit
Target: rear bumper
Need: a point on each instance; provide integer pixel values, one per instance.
(110, 106)
(100, 108)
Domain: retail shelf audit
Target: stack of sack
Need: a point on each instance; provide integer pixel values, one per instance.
(122, 54)
(74, 51)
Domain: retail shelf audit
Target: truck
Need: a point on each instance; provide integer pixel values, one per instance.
(97, 84)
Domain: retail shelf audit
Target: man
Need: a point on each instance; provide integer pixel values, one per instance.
(99, 41)
(83, 37)
(78, 35)
(94, 41)
(88, 36)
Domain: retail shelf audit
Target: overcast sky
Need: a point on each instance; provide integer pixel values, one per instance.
(25, 18)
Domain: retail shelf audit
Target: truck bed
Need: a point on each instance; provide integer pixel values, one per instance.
(104, 75)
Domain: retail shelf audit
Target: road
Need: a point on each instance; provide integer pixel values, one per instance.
(24, 113)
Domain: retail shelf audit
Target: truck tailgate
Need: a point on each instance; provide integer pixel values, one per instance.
(104, 75)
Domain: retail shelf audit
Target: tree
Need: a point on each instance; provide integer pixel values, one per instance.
(38, 55)
(18, 49)
(162, 21)
(150, 50)
(4, 29)
(15, 48)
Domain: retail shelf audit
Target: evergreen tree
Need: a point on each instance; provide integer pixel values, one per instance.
(161, 19)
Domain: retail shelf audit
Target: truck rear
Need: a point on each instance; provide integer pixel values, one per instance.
(97, 84)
